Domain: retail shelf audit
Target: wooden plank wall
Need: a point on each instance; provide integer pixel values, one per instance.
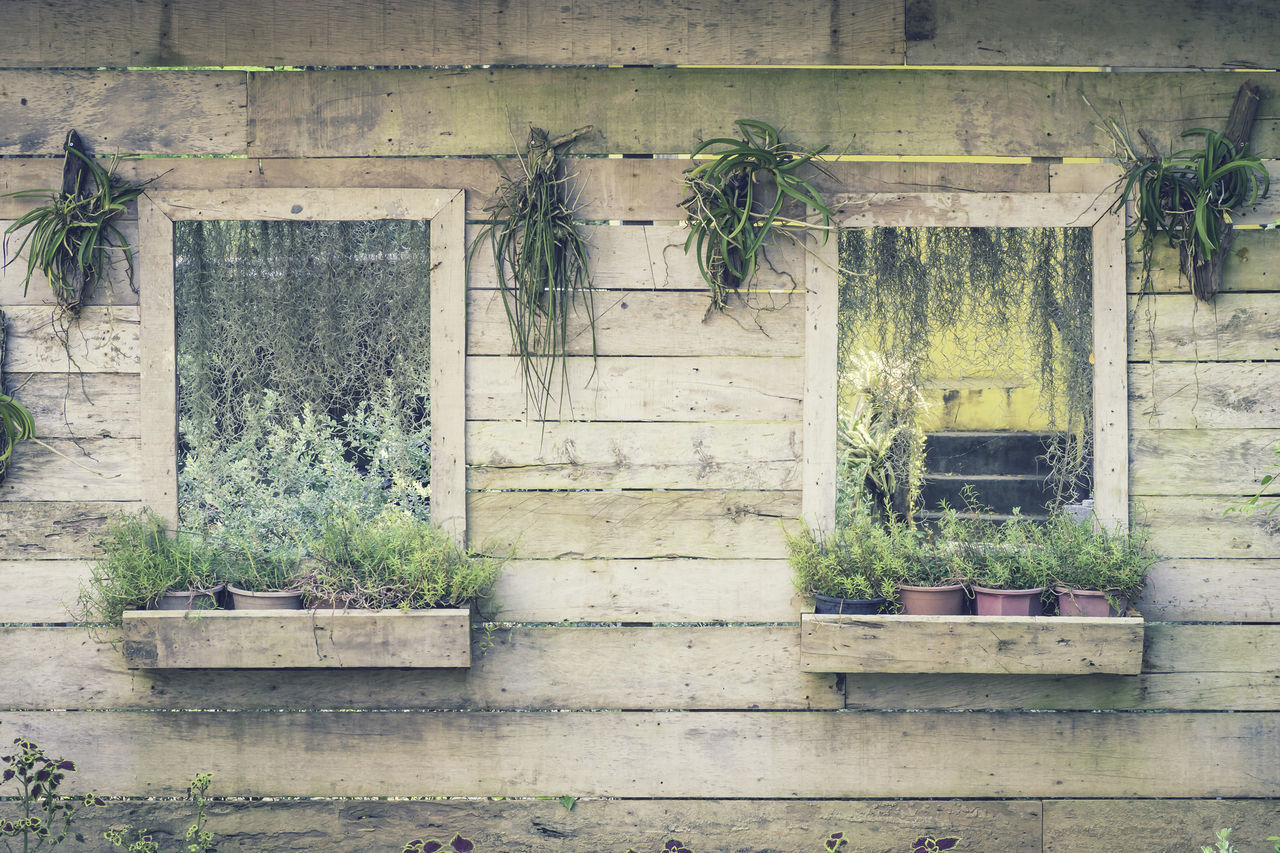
(649, 661)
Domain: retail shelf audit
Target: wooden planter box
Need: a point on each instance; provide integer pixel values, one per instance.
(244, 639)
(1016, 645)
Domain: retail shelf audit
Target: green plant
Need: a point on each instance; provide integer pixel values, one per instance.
(541, 261)
(735, 202)
(198, 839)
(140, 561)
(1223, 844)
(16, 424)
(457, 844)
(1009, 554)
(395, 560)
(72, 233)
(45, 816)
(862, 559)
(1082, 555)
(931, 844)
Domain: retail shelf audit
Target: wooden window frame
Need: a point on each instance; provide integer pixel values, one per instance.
(443, 208)
(1098, 212)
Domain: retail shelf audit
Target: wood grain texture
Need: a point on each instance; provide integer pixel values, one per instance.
(648, 323)
(971, 644)
(100, 469)
(715, 524)
(362, 113)
(1249, 267)
(515, 825)
(158, 361)
(515, 668)
(44, 339)
(116, 290)
(1179, 327)
(90, 405)
(650, 389)
(1213, 648)
(235, 32)
(55, 530)
(320, 638)
(448, 282)
(633, 754)
(1160, 826)
(39, 590)
(1204, 396)
(1136, 34)
(1195, 526)
(649, 590)
(1200, 461)
(516, 455)
(123, 112)
(1230, 590)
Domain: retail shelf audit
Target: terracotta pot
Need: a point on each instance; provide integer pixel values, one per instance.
(1007, 602)
(932, 600)
(190, 599)
(860, 606)
(285, 599)
(1086, 602)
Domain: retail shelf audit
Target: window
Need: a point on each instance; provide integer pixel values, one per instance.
(267, 308)
(1079, 226)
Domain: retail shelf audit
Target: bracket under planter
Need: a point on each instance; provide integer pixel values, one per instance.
(231, 639)
(1013, 645)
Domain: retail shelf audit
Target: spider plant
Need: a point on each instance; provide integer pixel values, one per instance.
(16, 424)
(1188, 198)
(70, 235)
(735, 202)
(542, 265)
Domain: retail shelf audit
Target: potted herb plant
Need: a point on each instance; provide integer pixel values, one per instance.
(143, 566)
(853, 570)
(394, 560)
(1006, 564)
(261, 578)
(1094, 571)
(930, 583)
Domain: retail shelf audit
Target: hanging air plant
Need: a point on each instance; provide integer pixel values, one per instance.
(16, 423)
(735, 203)
(71, 235)
(542, 265)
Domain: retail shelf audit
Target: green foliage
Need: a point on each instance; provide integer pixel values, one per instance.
(879, 439)
(73, 232)
(542, 265)
(16, 424)
(1008, 554)
(1082, 555)
(735, 202)
(140, 561)
(395, 560)
(862, 559)
(1259, 500)
(197, 840)
(1223, 845)
(44, 816)
(939, 301)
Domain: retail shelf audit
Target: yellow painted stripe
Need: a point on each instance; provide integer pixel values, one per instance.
(906, 158)
(1083, 68)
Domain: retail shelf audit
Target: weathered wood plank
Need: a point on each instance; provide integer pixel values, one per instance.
(54, 530)
(669, 110)
(1213, 648)
(1134, 34)
(1209, 396)
(1200, 461)
(100, 469)
(631, 189)
(641, 322)
(1194, 526)
(525, 826)
(514, 455)
(516, 668)
(44, 339)
(39, 590)
(329, 639)
(647, 389)
(1111, 475)
(1158, 826)
(630, 754)
(654, 590)
(487, 32)
(971, 644)
(123, 112)
(1236, 590)
(1179, 327)
(115, 291)
(714, 524)
(90, 405)
(1250, 265)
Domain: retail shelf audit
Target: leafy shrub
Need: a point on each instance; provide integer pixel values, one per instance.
(862, 559)
(45, 816)
(198, 839)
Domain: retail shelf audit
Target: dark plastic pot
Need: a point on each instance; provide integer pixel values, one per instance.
(932, 600)
(1086, 602)
(1007, 602)
(860, 606)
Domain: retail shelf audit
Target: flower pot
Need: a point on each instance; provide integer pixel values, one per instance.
(1086, 602)
(1007, 602)
(860, 606)
(285, 599)
(932, 600)
(190, 599)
